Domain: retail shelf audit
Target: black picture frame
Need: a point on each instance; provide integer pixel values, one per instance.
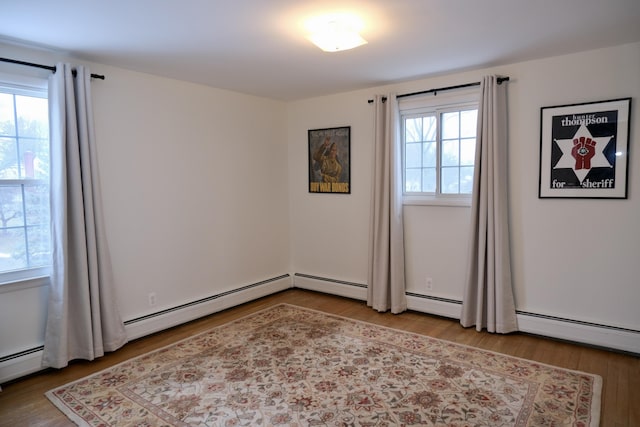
(330, 160)
(584, 150)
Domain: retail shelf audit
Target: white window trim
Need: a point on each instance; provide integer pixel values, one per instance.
(28, 83)
(36, 276)
(430, 103)
(427, 199)
(27, 278)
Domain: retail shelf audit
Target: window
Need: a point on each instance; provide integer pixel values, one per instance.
(25, 247)
(439, 144)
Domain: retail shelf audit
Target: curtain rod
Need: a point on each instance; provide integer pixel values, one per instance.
(51, 68)
(442, 89)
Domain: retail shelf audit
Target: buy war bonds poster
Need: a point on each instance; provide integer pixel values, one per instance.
(330, 160)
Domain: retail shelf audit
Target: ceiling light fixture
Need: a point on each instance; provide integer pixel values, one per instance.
(333, 33)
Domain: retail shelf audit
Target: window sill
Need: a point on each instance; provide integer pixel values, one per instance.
(464, 202)
(20, 284)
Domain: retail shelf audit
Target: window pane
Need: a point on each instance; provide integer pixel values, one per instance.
(413, 155)
(413, 130)
(412, 180)
(450, 153)
(468, 123)
(12, 249)
(450, 125)
(24, 203)
(429, 180)
(429, 128)
(466, 179)
(32, 116)
(37, 203)
(439, 150)
(467, 152)
(449, 178)
(429, 154)
(8, 158)
(7, 125)
(11, 214)
(34, 158)
(39, 248)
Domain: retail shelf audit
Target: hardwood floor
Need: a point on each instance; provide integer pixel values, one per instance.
(22, 402)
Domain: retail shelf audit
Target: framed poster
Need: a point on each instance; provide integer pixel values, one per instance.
(330, 160)
(584, 150)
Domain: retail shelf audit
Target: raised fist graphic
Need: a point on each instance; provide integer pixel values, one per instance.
(583, 150)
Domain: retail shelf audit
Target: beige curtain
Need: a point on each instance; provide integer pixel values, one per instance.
(488, 296)
(386, 282)
(82, 320)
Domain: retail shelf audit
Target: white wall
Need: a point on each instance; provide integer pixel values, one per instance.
(206, 191)
(559, 269)
(328, 231)
(575, 258)
(195, 191)
(195, 194)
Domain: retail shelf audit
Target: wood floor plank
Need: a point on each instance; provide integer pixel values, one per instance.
(634, 391)
(22, 402)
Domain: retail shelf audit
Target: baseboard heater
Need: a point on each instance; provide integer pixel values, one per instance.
(326, 279)
(577, 322)
(23, 353)
(204, 300)
(432, 298)
(330, 286)
(614, 338)
(598, 335)
(29, 361)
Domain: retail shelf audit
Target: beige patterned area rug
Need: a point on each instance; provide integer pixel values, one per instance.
(293, 366)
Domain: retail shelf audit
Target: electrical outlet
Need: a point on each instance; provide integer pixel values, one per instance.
(152, 299)
(429, 283)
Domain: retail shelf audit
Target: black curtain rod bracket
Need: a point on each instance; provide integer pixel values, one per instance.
(441, 89)
(51, 68)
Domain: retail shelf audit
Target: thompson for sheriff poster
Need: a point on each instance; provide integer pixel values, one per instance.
(584, 150)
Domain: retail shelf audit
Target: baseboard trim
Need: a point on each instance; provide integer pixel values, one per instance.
(592, 334)
(174, 316)
(434, 305)
(30, 361)
(597, 335)
(330, 286)
(20, 364)
(603, 336)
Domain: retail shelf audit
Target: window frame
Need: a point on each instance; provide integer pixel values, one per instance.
(437, 103)
(24, 85)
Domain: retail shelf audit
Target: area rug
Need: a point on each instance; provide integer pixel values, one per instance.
(288, 365)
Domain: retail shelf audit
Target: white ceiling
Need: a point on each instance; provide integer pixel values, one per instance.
(259, 47)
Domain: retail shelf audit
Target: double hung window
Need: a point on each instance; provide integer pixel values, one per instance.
(438, 146)
(25, 248)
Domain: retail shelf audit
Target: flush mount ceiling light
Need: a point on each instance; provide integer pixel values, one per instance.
(336, 32)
